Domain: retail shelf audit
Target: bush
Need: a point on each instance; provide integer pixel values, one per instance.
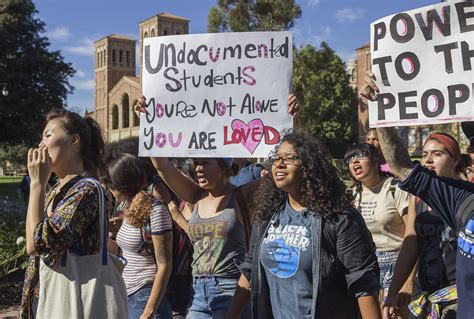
(12, 236)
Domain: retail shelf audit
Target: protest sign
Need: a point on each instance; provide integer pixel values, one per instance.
(423, 62)
(215, 95)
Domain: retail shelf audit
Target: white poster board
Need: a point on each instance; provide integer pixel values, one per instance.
(215, 95)
(423, 61)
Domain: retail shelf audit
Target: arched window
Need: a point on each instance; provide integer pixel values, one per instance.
(152, 33)
(125, 111)
(145, 35)
(120, 57)
(115, 117)
(114, 60)
(165, 31)
(136, 120)
(98, 59)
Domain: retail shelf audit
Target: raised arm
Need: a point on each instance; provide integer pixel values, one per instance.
(391, 144)
(182, 186)
(395, 152)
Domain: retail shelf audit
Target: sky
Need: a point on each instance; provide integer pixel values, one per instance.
(73, 25)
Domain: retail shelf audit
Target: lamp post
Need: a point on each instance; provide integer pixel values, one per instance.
(5, 89)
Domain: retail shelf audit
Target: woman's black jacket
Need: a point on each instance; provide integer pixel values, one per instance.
(344, 267)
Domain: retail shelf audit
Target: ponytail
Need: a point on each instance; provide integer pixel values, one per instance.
(93, 154)
(92, 143)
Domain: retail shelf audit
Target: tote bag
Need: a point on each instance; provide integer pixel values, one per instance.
(89, 286)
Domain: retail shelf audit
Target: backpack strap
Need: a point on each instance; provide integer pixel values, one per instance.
(393, 186)
(244, 212)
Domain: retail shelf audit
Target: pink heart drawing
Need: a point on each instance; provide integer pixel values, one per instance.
(250, 134)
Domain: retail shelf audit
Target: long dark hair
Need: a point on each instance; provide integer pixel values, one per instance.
(91, 141)
(126, 174)
(322, 188)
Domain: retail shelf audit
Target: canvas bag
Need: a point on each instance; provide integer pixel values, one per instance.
(89, 286)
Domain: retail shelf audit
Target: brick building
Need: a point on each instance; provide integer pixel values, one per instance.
(116, 85)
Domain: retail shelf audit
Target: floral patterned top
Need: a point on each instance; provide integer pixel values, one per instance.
(73, 225)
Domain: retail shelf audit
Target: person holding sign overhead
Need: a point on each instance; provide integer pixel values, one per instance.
(219, 226)
(451, 199)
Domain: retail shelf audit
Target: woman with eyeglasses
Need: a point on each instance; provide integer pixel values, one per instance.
(384, 208)
(219, 227)
(311, 255)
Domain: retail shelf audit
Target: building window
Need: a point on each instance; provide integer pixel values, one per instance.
(127, 58)
(136, 120)
(165, 31)
(152, 33)
(412, 137)
(115, 117)
(120, 57)
(125, 111)
(145, 35)
(98, 59)
(103, 58)
(114, 59)
(425, 131)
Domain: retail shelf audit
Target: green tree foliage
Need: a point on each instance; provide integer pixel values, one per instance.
(248, 15)
(15, 154)
(37, 78)
(329, 105)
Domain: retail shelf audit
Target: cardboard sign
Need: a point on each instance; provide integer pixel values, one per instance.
(215, 95)
(423, 62)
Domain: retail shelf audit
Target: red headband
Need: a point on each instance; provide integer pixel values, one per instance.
(449, 143)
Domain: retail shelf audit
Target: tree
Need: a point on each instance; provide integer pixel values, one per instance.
(248, 15)
(37, 78)
(328, 104)
(15, 154)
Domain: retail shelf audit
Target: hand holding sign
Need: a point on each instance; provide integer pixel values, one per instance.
(370, 89)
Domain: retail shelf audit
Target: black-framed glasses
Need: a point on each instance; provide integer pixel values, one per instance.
(360, 156)
(285, 159)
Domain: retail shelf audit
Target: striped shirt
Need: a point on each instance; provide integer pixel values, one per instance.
(141, 268)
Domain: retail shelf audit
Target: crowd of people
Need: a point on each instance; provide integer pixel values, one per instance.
(282, 239)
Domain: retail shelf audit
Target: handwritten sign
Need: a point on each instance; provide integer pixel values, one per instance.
(423, 62)
(215, 95)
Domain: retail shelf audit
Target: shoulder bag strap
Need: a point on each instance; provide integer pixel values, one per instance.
(103, 225)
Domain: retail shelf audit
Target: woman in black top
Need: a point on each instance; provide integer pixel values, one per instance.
(311, 255)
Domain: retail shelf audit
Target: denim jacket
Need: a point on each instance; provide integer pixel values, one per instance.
(344, 267)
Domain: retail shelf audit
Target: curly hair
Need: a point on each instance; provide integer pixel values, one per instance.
(322, 188)
(139, 209)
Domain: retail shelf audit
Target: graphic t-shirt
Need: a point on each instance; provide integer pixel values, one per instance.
(286, 257)
(436, 248)
(382, 207)
(218, 242)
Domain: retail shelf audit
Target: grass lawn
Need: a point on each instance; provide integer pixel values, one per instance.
(9, 186)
